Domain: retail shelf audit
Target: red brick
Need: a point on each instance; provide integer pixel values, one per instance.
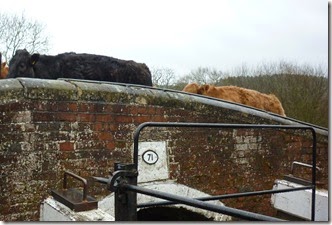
(119, 109)
(104, 118)
(43, 116)
(142, 119)
(83, 107)
(72, 107)
(105, 136)
(110, 145)
(67, 146)
(67, 107)
(65, 116)
(123, 119)
(84, 117)
(98, 126)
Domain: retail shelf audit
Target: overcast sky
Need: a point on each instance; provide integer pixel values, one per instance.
(183, 35)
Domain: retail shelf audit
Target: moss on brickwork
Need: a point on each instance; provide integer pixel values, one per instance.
(48, 89)
(100, 92)
(48, 126)
(11, 90)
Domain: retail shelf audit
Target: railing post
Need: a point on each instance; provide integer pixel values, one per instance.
(0, 63)
(125, 202)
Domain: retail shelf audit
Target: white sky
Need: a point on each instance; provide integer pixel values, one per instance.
(183, 35)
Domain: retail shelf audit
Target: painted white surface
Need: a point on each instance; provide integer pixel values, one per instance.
(155, 165)
(173, 188)
(298, 203)
(153, 174)
(52, 210)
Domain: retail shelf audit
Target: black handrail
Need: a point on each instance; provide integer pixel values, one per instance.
(0, 63)
(234, 126)
(226, 196)
(200, 204)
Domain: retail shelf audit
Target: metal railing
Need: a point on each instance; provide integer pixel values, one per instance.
(0, 63)
(124, 179)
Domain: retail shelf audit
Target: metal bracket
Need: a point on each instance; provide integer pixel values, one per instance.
(73, 198)
(113, 181)
(125, 203)
(294, 179)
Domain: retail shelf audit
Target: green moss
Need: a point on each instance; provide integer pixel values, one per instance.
(11, 90)
(48, 89)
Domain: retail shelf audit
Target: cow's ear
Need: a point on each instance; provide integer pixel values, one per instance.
(34, 59)
(207, 87)
(203, 88)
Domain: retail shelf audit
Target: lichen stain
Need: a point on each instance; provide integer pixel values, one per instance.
(141, 100)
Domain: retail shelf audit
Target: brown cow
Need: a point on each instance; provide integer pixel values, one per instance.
(4, 70)
(240, 95)
(191, 88)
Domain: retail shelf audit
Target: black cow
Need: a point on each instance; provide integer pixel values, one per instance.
(78, 66)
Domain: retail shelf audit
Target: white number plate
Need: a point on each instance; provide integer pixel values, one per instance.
(150, 157)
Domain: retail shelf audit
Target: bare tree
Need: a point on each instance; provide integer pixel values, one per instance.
(17, 32)
(163, 77)
(204, 75)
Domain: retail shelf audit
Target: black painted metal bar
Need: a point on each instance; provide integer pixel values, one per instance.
(0, 63)
(200, 204)
(226, 196)
(84, 182)
(235, 126)
(207, 125)
(125, 203)
(313, 194)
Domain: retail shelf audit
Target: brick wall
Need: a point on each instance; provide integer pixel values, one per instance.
(49, 126)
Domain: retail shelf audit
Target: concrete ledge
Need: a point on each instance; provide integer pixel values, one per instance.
(52, 210)
(298, 203)
(173, 188)
(11, 90)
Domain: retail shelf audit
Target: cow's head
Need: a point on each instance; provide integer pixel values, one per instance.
(21, 65)
(4, 70)
(204, 89)
(191, 88)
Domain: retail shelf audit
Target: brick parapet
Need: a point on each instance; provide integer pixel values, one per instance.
(48, 126)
